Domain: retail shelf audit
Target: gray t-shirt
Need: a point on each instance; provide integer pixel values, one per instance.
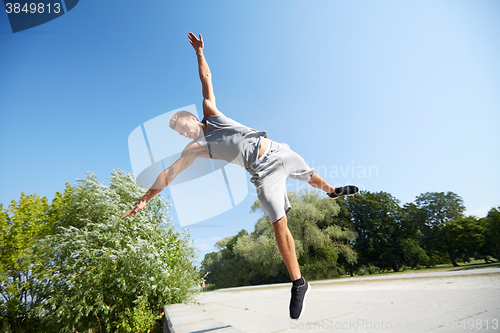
(228, 140)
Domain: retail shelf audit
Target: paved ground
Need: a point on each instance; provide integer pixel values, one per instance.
(459, 301)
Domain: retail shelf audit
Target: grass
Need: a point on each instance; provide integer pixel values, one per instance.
(474, 264)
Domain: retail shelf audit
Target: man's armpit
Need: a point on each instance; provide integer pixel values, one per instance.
(195, 150)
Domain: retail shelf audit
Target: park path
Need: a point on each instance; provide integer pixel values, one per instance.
(449, 301)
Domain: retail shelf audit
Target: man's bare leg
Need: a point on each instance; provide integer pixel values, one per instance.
(318, 182)
(286, 244)
(284, 238)
(300, 287)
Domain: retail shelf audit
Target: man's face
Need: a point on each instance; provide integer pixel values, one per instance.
(188, 127)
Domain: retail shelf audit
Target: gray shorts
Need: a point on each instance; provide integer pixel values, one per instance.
(269, 174)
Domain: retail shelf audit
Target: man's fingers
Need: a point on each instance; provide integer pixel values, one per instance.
(192, 38)
(128, 214)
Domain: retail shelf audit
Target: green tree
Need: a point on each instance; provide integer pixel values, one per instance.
(254, 258)
(376, 219)
(22, 224)
(324, 242)
(226, 268)
(465, 238)
(491, 227)
(61, 212)
(109, 274)
(439, 208)
(412, 236)
(320, 240)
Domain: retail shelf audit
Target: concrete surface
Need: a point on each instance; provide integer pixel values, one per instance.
(182, 318)
(459, 301)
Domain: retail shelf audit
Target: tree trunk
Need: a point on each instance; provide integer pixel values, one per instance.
(452, 259)
(450, 251)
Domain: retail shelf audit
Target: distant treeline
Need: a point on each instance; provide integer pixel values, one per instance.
(367, 233)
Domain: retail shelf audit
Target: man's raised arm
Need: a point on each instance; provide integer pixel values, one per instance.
(209, 107)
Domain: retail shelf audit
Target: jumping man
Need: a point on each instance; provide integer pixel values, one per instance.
(269, 163)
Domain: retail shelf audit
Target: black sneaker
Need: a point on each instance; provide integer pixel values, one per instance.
(299, 294)
(346, 190)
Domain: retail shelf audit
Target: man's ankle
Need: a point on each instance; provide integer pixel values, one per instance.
(299, 282)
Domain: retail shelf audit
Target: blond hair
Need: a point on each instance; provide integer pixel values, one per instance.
(179, 115)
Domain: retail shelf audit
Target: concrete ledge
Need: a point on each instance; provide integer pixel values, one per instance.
(182, 318)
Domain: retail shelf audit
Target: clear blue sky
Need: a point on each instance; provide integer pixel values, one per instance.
(409, 90)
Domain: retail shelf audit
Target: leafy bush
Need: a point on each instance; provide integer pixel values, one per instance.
(114, 275)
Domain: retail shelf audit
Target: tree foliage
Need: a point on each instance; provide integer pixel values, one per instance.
(465, 238)
(491, 230)
(101, 269)
(321, 239)
(75, 265)
(375, 217)
(254, 258)
(366, 233)
(22, 224)
(438, 209)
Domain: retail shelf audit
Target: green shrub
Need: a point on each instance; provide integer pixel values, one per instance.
(113, 275)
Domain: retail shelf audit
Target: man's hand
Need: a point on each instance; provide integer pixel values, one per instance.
(197, 43)
(137, 208)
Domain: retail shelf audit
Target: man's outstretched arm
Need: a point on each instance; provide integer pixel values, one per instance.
(209, 107)
(190, 153)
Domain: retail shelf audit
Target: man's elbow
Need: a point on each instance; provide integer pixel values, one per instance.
(169, 175)
(206, 78)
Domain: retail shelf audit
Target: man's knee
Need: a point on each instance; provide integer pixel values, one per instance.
(280, 223)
